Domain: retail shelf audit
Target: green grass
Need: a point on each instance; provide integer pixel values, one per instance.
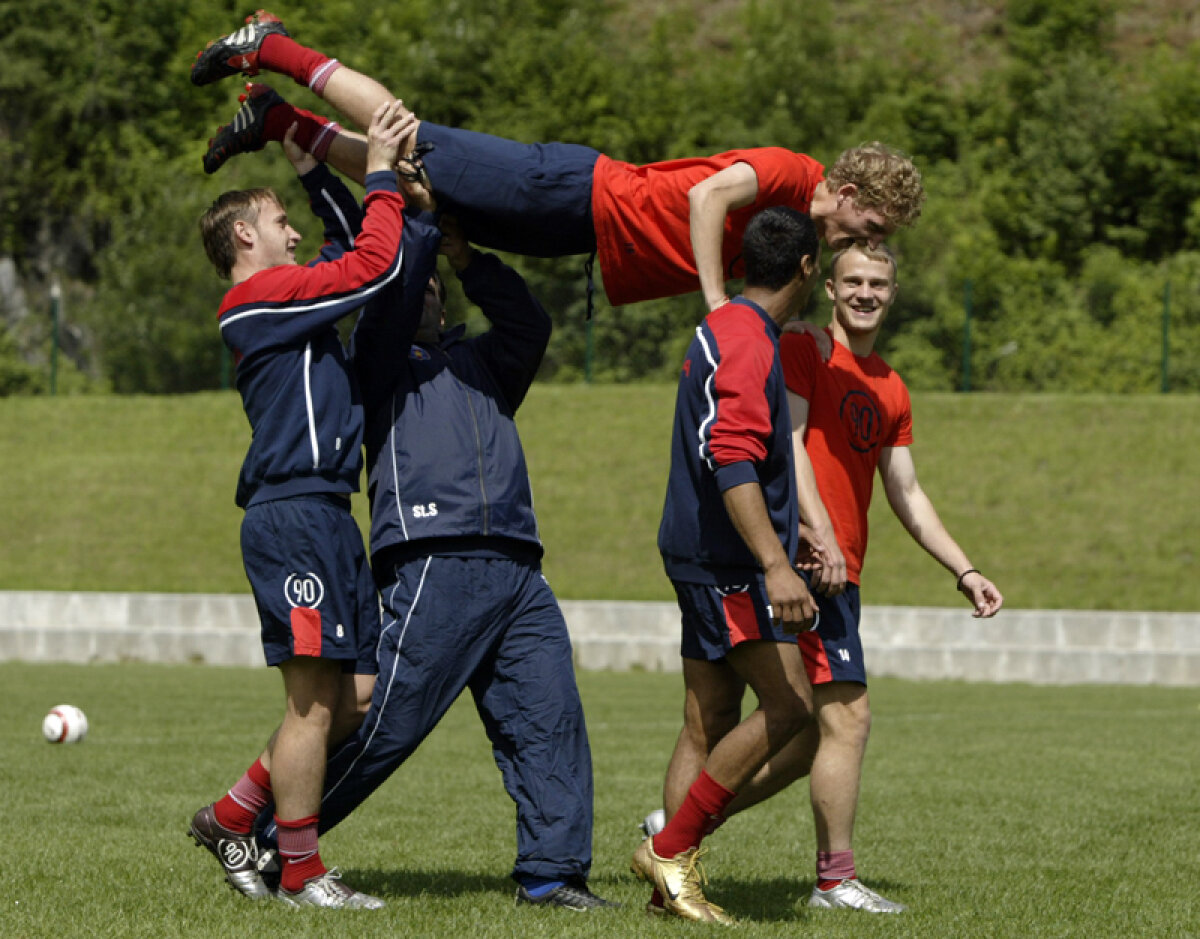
(1087, 502)
(991, 810)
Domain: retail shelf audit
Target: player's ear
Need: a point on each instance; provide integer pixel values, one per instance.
(244, 234)
(846, 192)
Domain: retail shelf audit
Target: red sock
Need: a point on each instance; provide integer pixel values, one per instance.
(833, 867)
(706, 801)
(298, 851)
(304, 66)
(314, 133)
(241, 805)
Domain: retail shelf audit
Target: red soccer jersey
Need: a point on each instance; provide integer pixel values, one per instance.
(643, 225)
(856, 405)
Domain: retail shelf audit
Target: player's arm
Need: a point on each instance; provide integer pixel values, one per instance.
(822, 338)
(286, 302)
(709, 201)
(830, 576)
(791, 603)
(520, 330)
(918, 516)
(331, 201)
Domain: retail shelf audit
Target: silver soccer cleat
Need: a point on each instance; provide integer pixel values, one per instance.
(653, 823)
(237, 854)
(329, 891)
(852, 895)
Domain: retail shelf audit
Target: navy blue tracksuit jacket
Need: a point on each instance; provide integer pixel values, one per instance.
(456, 554)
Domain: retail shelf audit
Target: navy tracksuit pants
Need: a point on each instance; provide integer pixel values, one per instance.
(492, 625)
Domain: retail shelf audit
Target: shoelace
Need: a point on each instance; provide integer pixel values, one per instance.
(694, 876)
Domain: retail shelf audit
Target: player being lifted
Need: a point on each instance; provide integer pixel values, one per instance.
(659, 230)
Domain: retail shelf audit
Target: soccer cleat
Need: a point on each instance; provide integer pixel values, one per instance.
(244, 134)
(852, 895)
(678, 879)
(570, 896)
(237, 52)
(238, 854)
(653, 823)
(329, 891)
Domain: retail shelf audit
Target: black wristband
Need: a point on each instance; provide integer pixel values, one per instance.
(958, 583)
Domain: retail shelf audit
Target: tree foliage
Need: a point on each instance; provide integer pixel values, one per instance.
(1059, 144)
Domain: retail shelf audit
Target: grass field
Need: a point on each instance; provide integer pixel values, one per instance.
(1086, 502)
(991, 810)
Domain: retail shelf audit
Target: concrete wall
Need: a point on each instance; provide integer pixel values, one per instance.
(1041, 646)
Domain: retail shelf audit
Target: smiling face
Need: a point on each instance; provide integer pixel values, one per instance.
(862, 287)
(276, 239)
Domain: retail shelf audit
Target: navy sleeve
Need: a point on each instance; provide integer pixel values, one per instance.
(513, 348)
(386, 327)
(333, 203)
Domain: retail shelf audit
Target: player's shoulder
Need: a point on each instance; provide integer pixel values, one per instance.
(272, 285)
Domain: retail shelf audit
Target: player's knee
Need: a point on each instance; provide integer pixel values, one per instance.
(705, 727)
(787, 716)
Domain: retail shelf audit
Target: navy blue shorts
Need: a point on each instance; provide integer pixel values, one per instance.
(305, 561)
(528, 198)
(715, 619)
(833, 651)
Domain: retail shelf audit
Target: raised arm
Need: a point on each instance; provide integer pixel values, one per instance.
(918, 516)
(513, 348)
(286, 302)
(331, 201)
(830, 577)
(709, 201)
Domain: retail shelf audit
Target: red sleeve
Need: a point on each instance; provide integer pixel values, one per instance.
(798, 353)
(901, 435)
(743, 420)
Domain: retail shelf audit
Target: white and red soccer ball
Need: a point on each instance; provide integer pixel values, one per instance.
(65, 724)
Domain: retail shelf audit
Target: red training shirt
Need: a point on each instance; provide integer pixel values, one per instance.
(643, 220)
(856, 405)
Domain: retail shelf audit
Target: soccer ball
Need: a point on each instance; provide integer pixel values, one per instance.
(65, 724)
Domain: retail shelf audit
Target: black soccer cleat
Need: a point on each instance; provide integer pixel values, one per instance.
(244, 133)
(237, 854)
(237, 52)
(573, 896)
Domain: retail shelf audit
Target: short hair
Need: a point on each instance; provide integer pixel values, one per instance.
(775, 242)
(879, 253)
(216, 224)
(886, 181)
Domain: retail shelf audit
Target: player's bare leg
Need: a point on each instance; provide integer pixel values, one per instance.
(775, 672)
(315, 689)
(264, 44)
(712, 708)
(844, 717)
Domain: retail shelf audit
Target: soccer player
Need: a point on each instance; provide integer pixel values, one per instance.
(729, 539)
(456, 553)
(301, 547)
(659, 230)
(851, 415)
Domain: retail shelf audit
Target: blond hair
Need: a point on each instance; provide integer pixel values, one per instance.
(879, 253)
(886, 180)
(216, 224)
